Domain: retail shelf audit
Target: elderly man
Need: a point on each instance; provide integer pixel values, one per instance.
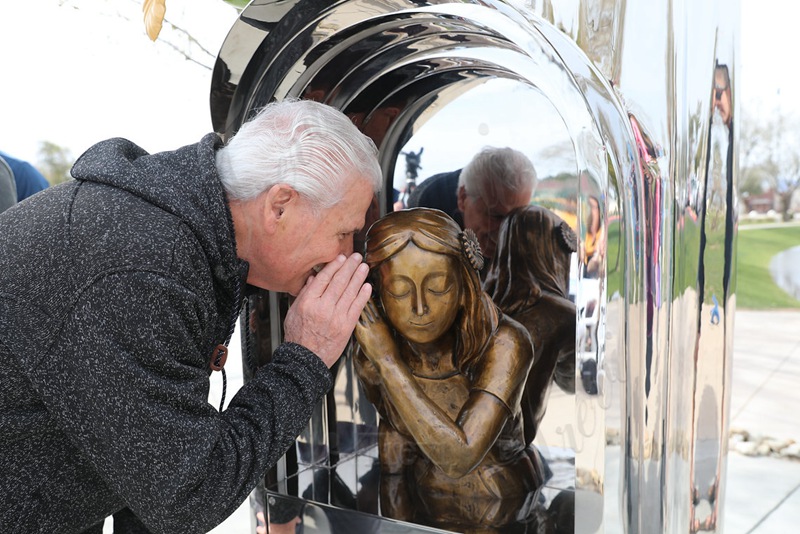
(480, 195)
(120, 291)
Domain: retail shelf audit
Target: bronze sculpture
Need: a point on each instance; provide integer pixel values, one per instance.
(529, 280)
(446, 371)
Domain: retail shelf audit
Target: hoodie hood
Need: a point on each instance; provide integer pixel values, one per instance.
(184, 183)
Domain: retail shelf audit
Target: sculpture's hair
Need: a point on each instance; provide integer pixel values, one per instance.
(434, 231)
(310, 147)
(494, 169)
(533, 255)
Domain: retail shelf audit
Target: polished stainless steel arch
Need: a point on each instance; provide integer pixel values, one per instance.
(645, 98)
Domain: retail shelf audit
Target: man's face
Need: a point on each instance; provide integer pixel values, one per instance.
(304, 241)
(484, 214)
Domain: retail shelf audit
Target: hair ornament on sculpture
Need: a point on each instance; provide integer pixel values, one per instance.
(471, 249)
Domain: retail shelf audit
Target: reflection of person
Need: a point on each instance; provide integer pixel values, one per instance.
(439, 191)
(718, 187)
(722, 103)
(446, 371)
(493, 183)
(717, 223)
(722, 93)
(134, 280)
(529, 280)
(593, 249)
(28, 179)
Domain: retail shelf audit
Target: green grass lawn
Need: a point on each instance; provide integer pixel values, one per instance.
(754, 285)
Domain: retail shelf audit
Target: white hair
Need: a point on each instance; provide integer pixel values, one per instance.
(499, 168)
(311, 147)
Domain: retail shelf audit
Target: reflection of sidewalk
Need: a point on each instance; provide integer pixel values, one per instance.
(765, 398)
(763, 492)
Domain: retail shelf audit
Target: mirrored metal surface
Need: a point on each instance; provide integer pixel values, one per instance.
(628, 111)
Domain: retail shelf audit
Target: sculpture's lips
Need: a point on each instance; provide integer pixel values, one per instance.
(420, 324)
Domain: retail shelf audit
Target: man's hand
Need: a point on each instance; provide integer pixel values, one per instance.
(325, 312)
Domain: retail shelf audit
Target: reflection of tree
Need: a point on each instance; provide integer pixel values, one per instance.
(559, 155)
(769, 156)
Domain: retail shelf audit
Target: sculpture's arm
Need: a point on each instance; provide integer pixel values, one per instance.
(456, 447)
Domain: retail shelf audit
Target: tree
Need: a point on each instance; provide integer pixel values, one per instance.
(54, 162)
(769, 156)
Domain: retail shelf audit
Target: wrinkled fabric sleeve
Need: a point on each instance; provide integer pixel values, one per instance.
(127, 381)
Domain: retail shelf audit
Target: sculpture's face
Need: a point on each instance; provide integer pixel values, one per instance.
(421, 293)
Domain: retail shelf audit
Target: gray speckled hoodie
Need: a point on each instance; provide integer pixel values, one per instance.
(114, 290)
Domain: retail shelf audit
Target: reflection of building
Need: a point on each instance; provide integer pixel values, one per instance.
(760, 203)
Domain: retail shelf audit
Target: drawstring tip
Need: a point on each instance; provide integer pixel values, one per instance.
(224, 387)
(218, 358)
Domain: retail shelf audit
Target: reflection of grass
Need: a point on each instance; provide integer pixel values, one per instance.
(755, 287)
(615, 262)
(756, 247)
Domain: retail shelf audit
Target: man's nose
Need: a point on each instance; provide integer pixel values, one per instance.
(347, 246)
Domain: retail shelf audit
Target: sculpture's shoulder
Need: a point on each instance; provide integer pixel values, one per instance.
(506, 362)
(510, 351)
(511, 338)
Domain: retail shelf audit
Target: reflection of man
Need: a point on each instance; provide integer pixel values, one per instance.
(718, 184)
(722, 93)
(480, 195)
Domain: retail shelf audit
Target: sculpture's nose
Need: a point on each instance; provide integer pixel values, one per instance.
(420, 307)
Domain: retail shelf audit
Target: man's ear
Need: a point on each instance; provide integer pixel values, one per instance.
(276, 201)
(461, 198)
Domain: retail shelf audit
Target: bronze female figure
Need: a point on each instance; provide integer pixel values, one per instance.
(446, 370)
(529, 280)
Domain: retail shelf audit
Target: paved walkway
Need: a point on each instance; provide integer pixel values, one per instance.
(762, 493)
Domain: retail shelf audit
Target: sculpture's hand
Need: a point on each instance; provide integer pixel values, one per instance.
(373, 334)
(326, 310)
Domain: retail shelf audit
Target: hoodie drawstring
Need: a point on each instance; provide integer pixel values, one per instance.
(220, 354)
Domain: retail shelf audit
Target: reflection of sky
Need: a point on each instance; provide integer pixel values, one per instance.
(498, 113)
